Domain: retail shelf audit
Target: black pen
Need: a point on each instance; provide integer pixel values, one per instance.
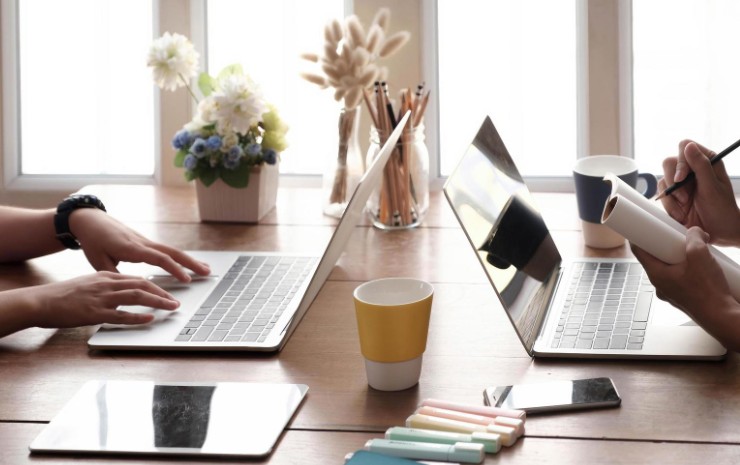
(690, 177)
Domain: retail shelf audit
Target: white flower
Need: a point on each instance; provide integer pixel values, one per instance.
(196, 124)
(239, 104)
(173, 59)
(207, 109)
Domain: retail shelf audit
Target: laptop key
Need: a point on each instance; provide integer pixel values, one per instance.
(601, 343)
(643, 306)
(583, 344)
(202, 334)
(634, 346)
(218, 336)
(618, 342)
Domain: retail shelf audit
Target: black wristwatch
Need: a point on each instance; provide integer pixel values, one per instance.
(61, 219)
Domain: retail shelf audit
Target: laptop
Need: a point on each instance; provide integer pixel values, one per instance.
(579, 308)
(252, 300)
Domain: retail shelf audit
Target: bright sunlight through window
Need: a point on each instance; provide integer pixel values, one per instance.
(685, 77)
(516, 66)
(267, 38)
(86, 94)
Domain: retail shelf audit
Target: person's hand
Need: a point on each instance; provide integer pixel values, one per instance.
(697, 286)
(106, 242)
(93, 299)
(709, 201)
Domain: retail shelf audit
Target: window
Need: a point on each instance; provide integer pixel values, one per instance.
(685, 77)
(82, 107)
(86, 101)
(519, 68)
(267, 38)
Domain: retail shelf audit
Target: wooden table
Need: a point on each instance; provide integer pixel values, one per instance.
(672, 412)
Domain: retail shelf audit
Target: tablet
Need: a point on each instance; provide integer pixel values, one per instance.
(145, 417)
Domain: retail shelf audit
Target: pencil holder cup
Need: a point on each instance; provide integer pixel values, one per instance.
(402, 199)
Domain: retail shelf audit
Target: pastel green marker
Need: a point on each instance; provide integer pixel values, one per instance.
(491, 442)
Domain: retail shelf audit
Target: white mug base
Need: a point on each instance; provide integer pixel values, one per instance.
(394, 376)
(600, 236)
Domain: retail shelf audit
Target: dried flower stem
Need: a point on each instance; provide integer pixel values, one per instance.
(346, 126)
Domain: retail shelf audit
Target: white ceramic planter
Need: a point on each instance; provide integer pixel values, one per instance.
(221, 202)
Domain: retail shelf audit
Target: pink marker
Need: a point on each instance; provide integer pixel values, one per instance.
(515, 423)
(475, 409)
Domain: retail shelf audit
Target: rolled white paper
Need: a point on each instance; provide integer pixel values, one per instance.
(658, 238)
(625, 190)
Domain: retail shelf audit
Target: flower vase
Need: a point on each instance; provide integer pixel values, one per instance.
(344, 170)
(221, 202)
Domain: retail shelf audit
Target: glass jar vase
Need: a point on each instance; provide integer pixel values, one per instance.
(402, 199)
(344, 169)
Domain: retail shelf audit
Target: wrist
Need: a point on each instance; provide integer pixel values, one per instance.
(69, 206)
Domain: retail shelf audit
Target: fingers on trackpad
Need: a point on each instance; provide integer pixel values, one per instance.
(159, 315)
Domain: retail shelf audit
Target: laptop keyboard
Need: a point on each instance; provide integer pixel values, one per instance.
(607, 307)
(249, 299)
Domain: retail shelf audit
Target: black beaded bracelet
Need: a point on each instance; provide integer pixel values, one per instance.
(64, 209)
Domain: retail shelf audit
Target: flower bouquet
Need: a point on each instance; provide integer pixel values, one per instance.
(234, 129)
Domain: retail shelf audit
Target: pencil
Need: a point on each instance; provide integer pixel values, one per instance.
(690, 177)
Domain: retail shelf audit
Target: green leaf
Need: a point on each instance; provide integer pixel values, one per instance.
(239, 177)
(206, 84)
(208, 177)
(180, 158)
(190, 175)
(230, 70)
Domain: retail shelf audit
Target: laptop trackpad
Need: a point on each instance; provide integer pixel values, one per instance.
(159, 315)
(664, 314)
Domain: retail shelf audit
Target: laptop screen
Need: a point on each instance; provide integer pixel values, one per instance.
(497, 213)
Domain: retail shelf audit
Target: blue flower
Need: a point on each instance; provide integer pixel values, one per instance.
(182, 139)
(270, 157)
(254, 149)
(231, 164)
(213, 143)
(199, 148)
(190, 162)
(235, 152)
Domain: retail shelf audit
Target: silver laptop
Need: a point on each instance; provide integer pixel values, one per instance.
(253, 300)
(581, 308)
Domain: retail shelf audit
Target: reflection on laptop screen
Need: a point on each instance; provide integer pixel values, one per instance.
(497, 212)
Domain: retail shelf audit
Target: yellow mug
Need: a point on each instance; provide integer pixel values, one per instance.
(393, 322)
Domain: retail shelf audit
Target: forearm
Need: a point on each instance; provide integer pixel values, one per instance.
(17, 311)
(27, 234)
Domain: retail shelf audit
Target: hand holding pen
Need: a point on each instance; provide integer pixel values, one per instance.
(690, 177)
(708, 201)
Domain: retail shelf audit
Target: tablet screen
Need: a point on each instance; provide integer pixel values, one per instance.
(144, 417)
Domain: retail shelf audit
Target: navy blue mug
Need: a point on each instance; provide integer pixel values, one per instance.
(592, 192)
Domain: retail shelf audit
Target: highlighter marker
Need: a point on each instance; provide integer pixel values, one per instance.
(465, 452)
(365, 457)
(418, 420)
(515, 423)
(491, 442)
(476, 409)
